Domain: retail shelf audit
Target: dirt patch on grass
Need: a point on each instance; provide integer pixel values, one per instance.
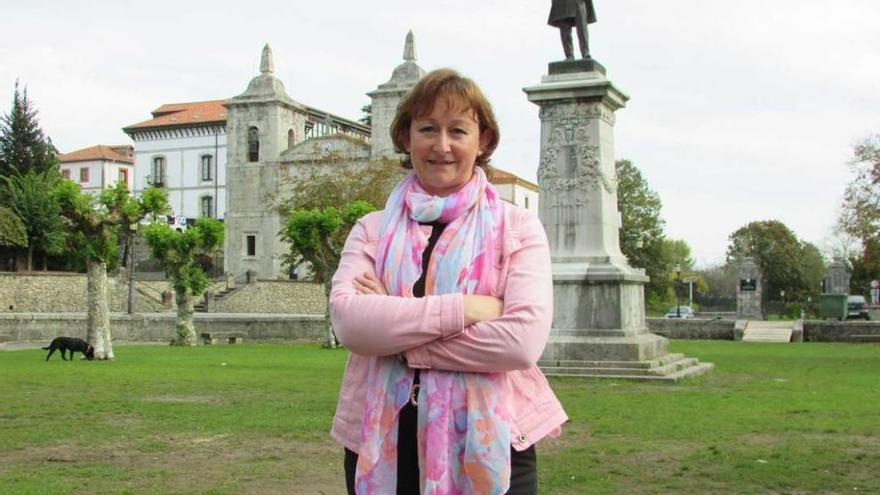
(216, 464)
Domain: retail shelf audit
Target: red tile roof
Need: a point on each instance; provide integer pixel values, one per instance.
(174, 114)
(120, 153)
(503, 177)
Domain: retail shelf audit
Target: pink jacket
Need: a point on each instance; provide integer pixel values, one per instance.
(430, 332)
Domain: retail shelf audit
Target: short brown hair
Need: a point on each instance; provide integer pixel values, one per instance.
(459, 91)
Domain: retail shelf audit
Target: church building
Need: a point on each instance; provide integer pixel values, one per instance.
(234, 159)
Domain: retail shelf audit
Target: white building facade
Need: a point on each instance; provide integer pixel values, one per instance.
(183, 148)
(99, 167)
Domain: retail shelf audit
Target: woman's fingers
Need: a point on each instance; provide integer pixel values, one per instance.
(369, 284)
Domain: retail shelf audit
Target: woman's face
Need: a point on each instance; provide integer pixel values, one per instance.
(443, 147)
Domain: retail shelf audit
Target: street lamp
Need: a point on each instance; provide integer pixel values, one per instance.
(133, 228)
(677, 291)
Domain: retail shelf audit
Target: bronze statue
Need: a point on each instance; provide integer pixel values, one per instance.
(566, 14)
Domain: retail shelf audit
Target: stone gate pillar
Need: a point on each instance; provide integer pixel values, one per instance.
(749, 291)
(836, 279)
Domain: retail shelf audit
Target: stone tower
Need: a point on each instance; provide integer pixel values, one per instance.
(385, 98)
(261, 123)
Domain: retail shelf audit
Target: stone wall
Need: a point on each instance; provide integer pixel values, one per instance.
(66, 292)
(813, 330)
(159, 327)
(841, 331)
(275, 296)
(692, 328)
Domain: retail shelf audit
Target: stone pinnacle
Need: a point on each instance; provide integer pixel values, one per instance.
(409, 50)
(266, 64)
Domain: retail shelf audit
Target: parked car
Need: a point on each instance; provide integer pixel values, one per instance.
(857, 307)
(684, 311)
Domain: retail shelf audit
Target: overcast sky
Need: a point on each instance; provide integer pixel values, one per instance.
(739, 111)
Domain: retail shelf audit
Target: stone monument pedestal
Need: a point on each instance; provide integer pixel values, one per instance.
(599, 325)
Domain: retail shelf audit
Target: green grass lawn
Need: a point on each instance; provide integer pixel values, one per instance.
(799, 418)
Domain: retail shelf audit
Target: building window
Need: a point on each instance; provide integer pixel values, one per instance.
(251, 245)
(84, 174)
(207, 206)
(123, 176)
(253, 144)
(158, 175)
(207, 167)
(290, 138)
(65, 173)
(527, 202)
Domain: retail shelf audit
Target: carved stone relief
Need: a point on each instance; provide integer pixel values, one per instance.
(570, 164)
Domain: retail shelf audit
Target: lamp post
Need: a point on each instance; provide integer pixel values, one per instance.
(677, 291)
(133, 231)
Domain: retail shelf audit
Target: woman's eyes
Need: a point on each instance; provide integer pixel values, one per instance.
(432, 129)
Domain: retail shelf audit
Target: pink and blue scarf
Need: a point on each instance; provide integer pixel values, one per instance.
(463, 424)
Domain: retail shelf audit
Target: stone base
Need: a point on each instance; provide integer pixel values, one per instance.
(669, 368)
(575, 65)
(598, 345)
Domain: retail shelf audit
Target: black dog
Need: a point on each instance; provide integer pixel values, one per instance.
(71, 344)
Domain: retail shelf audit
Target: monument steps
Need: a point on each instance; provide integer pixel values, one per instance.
(670, 368)
(647, 364)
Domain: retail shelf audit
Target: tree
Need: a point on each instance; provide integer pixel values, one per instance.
(317, 235)
(29, 195)
(812, 267)
(860, 212)
(325, 201)
(13, 237)
(96, 225)
(23, 147)
(642, 237)
(367, 110)
(786, 263)
(180, 253)
(338, 184)
(720, 283)
(12, 230)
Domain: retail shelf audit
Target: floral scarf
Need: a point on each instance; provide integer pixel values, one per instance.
(463, 424)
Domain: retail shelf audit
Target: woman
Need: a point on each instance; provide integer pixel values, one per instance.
(444, 299)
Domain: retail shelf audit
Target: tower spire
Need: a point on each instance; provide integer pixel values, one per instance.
(409, 49)
(267, 66)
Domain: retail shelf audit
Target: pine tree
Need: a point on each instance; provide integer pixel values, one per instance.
(23, 146)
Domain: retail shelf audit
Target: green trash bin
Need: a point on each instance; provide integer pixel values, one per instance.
(832, 306)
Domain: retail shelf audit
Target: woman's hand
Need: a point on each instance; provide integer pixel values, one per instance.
(476, 308)
(481, 308)
(369, 284)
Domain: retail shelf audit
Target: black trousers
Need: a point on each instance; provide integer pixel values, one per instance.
(523, 465)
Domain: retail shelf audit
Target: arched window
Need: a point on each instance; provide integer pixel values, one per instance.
(253, 144)
(290, 138)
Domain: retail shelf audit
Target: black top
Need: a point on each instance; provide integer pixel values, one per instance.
(436, 230)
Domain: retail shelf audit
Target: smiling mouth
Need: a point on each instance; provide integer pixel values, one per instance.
(440, 162)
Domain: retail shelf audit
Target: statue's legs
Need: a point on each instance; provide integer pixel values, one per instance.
(582, 30)
(567, 45)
